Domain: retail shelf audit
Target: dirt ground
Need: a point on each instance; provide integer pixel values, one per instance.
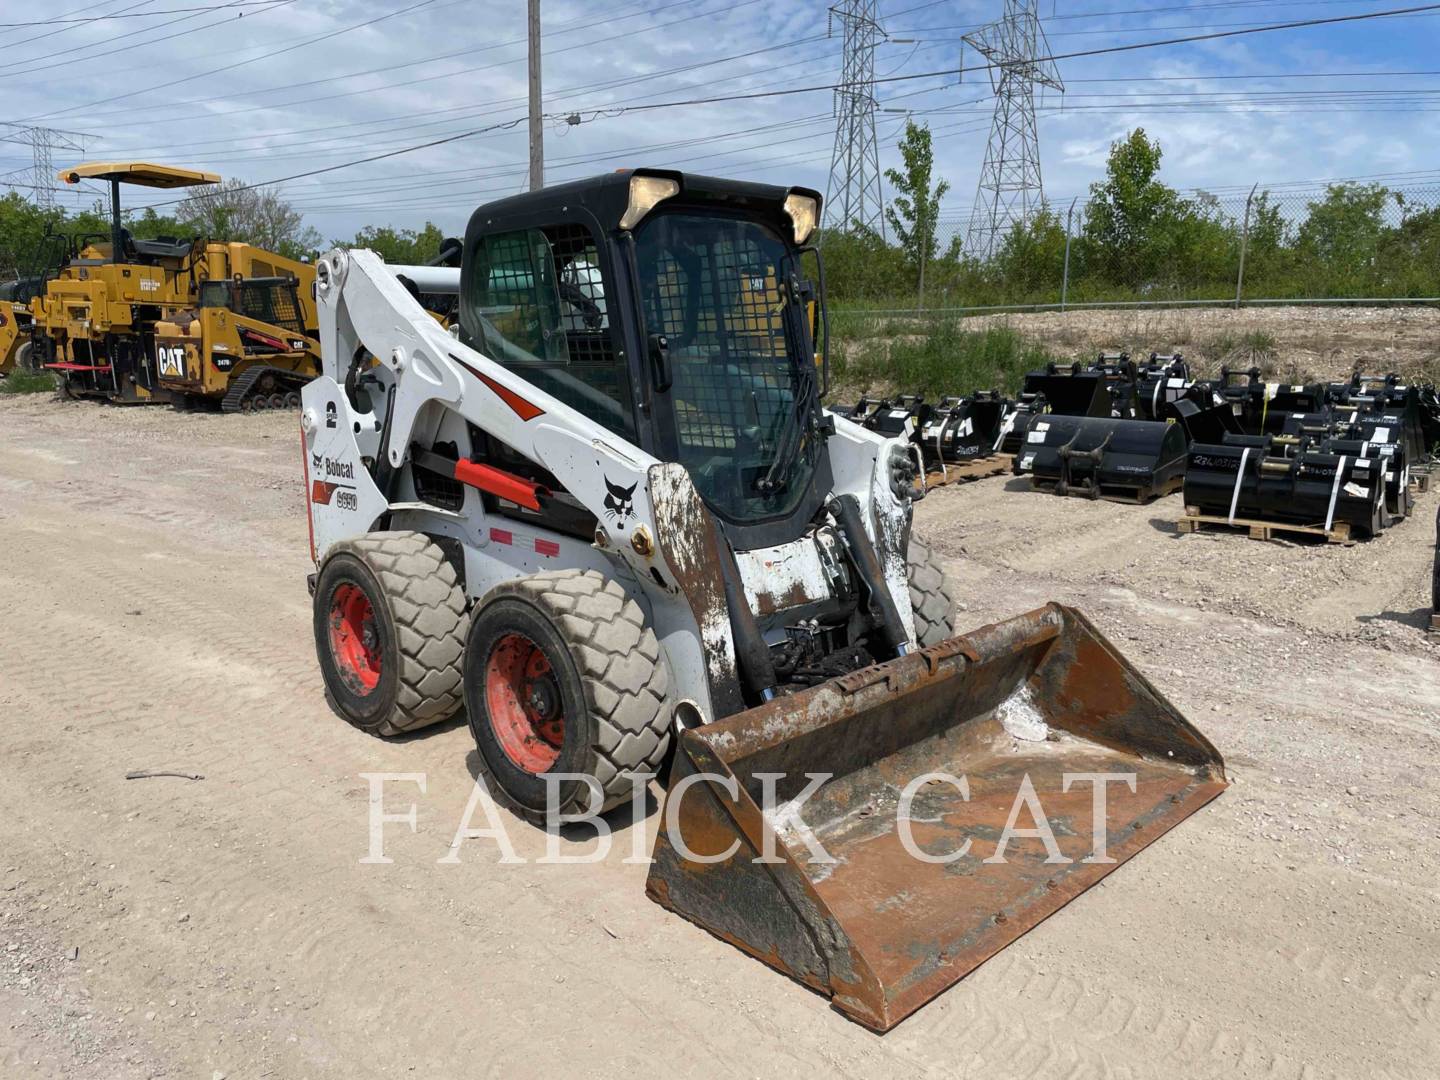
(153, 615)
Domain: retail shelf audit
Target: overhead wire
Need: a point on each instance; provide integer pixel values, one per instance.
(595, 114)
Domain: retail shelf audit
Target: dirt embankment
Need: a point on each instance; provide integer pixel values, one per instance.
(1292, 344)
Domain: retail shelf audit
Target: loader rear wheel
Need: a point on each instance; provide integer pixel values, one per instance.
(390, 618)
(564, 675)
(930, 594)
(26, 360)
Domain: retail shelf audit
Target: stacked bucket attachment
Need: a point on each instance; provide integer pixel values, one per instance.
(1067, 391)
(959, 431)
(1098, 457)
(1119, 430)
(1262, 407)
(963, 429)
(883, 909)
(1250, 479)
(1121, 378)
(1364, 438)
(1163, 381)
(1086, 440)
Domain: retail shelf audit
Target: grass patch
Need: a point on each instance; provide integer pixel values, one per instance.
(944, 359)
(20, 382)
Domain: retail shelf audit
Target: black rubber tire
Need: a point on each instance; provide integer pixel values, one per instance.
(931, 597)
(25, 360)
(613, 678)
(421, 615)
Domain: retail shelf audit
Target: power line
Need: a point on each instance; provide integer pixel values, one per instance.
(103, 47)
(597, 113)
(560, 28)
(143, 14)
(469, 112)
(241, 63)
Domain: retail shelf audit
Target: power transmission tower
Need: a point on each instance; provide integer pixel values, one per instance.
(853, 197)
(40, 179)
(1010, 190)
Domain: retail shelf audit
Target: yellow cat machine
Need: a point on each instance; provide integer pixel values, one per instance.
(237, 307)
(95, 322)
(16, 350)
(250, 341)
(19, 302)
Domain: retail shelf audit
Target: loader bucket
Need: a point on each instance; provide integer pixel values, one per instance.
(886, 926)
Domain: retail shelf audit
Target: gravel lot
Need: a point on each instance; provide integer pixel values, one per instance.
(153, 615)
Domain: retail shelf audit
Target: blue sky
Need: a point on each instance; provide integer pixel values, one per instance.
(294, 85)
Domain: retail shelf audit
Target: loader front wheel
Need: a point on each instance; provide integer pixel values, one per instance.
(930, 594)
(390, 618)
(563, 675)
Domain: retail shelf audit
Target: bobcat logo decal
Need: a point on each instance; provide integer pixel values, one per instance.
(619, 502)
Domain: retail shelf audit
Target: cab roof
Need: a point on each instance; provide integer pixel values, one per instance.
(142, 173)
(606, 197)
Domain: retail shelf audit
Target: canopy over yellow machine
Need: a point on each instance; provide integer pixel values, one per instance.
(140, 173)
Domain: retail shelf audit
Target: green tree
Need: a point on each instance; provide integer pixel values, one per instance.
(404, 246)
(1338, 243)
(913, 212)
(1126, 211)
(234, 210)
(1031, 258)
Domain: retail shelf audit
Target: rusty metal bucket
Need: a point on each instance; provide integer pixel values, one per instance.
(880, 929)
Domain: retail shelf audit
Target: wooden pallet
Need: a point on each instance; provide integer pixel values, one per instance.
(1419, 482)
(1435, 623)
(1130, 496)
(978, 469)
(1339, 533)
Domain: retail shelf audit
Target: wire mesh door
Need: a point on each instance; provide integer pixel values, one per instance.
(712, 286)
(271, 300)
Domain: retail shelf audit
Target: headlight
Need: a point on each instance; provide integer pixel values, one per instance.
(645, 193)
(803, 210)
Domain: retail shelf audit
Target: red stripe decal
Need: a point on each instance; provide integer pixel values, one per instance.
(522, 408)
(506, 485)
(264, 339)
(322, 492)
(546, 547)
(501, 536)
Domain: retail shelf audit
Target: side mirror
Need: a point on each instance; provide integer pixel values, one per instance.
(660, 374)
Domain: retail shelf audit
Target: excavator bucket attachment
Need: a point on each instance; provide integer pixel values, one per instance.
(957, 806)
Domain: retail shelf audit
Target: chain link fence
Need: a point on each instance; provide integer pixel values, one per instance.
(1346, 243)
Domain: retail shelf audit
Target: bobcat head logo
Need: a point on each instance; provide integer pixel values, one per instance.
(619, 503)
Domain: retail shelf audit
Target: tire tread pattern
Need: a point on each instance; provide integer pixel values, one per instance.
(428, 605)
(622, 668)
(931, 597)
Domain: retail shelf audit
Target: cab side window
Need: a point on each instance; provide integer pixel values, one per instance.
(537, 304)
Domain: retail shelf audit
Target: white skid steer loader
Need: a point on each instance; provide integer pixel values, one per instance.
(608, 517)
